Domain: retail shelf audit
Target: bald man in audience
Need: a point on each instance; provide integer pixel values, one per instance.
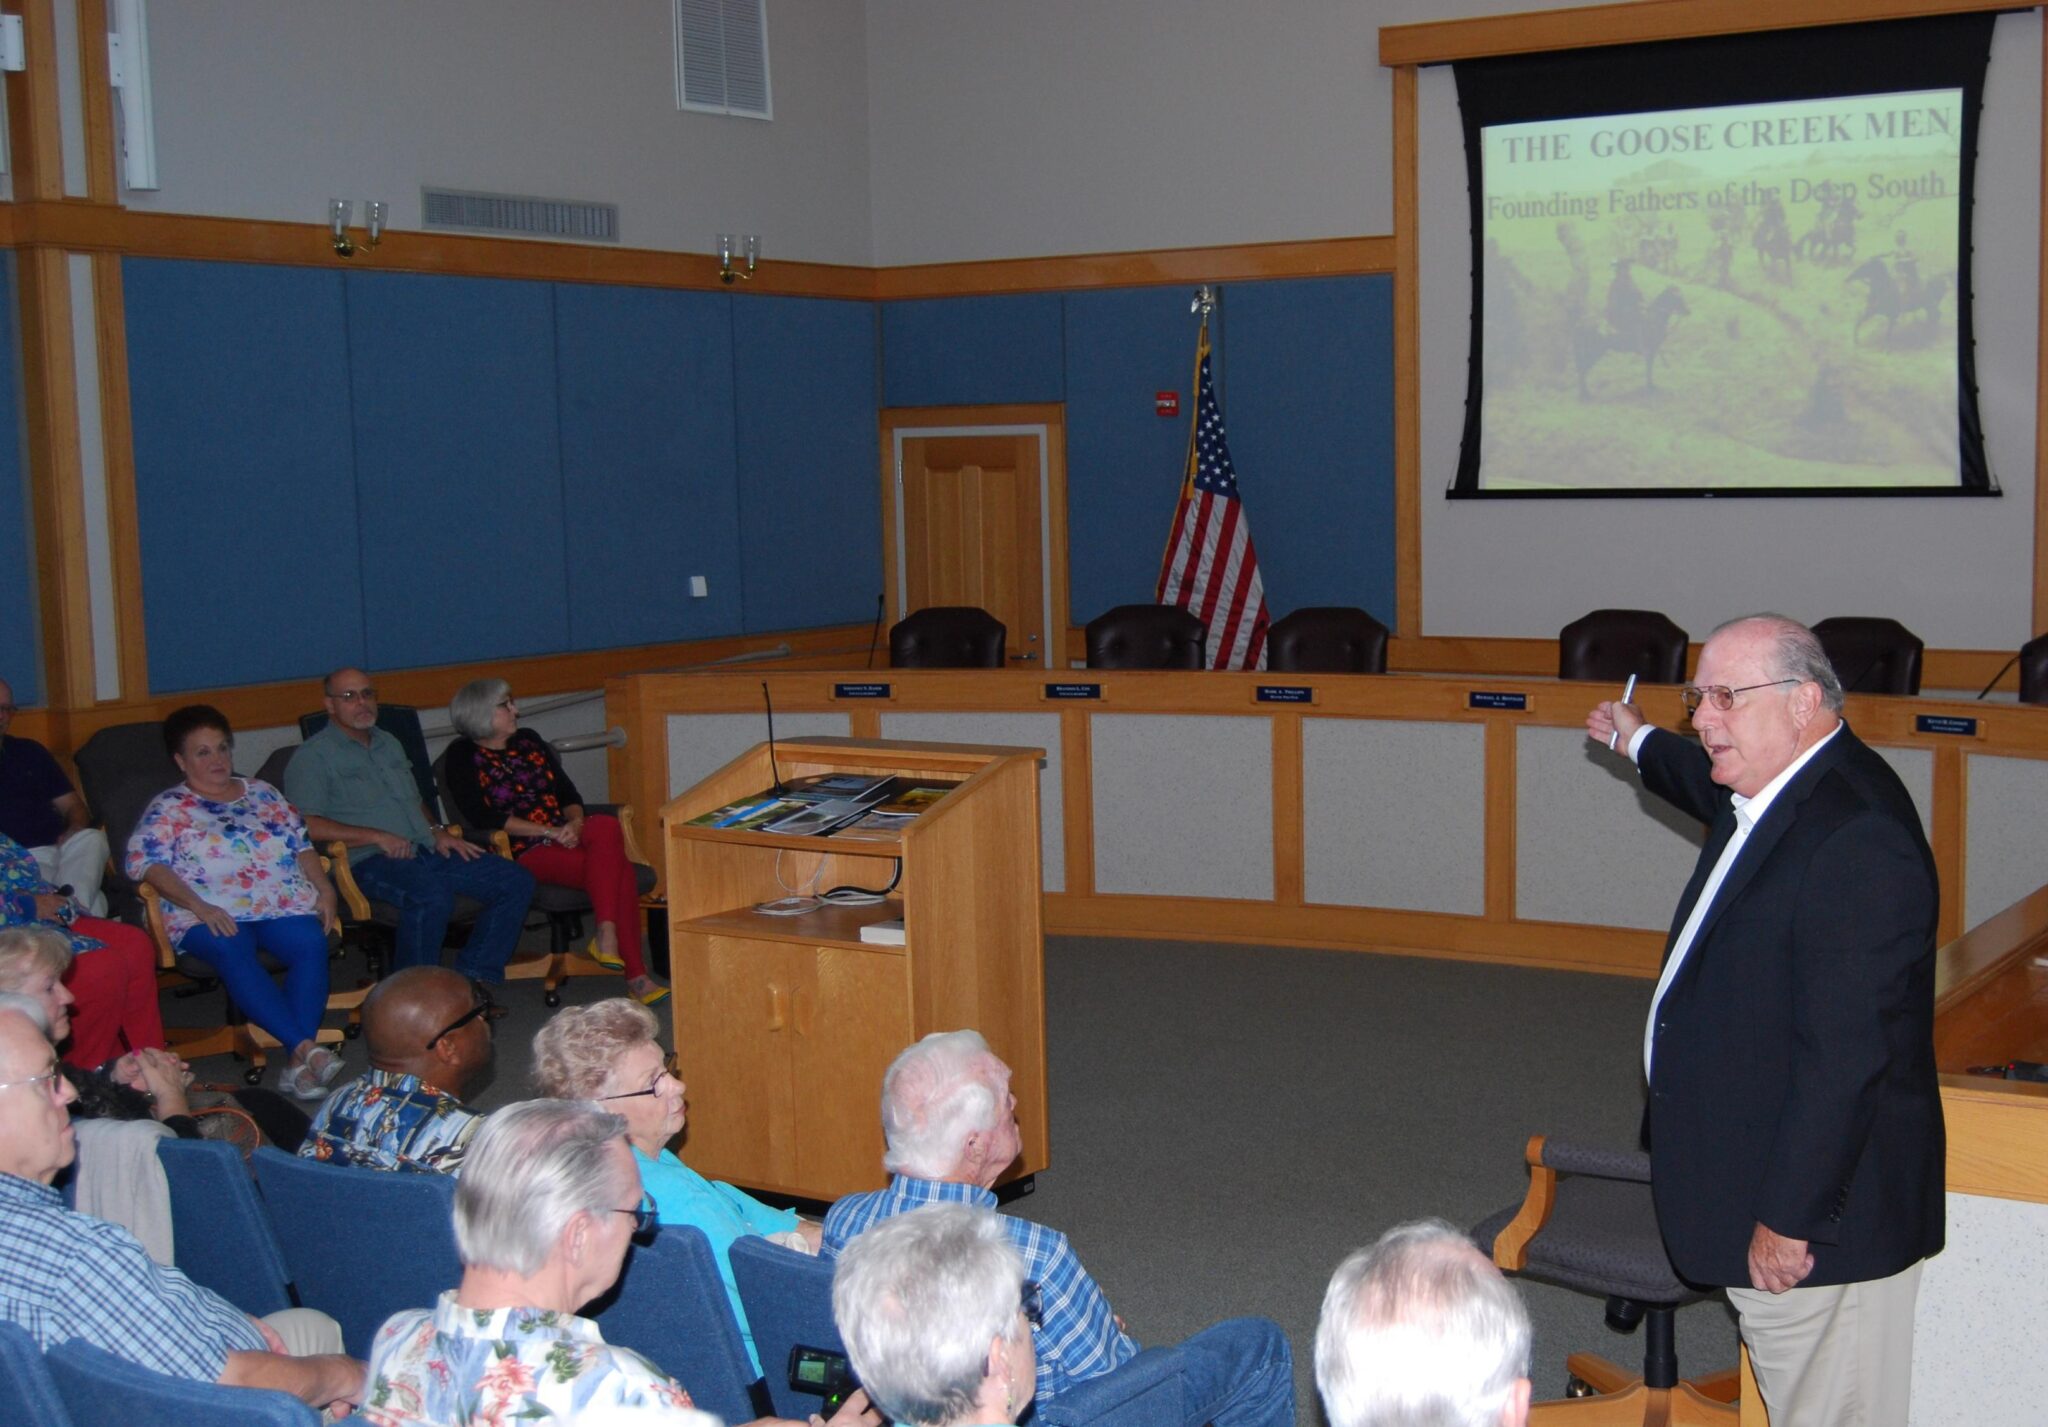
(70, 1276)
(1421, 1330)
(428, 1030)
(951, 1126)
(42, 811)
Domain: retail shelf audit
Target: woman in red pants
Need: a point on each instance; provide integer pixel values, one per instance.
(505, 776)
(113, 965)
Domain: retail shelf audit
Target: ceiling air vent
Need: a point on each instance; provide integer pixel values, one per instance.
(722, 57)
(448, 208)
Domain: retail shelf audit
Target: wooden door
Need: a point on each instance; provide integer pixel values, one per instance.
(852, 1019)
(972, 531)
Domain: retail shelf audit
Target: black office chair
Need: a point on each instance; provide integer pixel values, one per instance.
(2034, 670)
(1608, 645)
(1327, 639)
(1588, 1223)
(1872, 655)
(947, 637)
(1147, 636)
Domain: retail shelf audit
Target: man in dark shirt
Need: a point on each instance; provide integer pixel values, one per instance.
(42, 811)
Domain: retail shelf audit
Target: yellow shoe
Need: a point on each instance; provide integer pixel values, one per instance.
(598, 954)
(652, 996)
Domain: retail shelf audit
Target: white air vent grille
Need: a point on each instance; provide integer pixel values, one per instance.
(722, 57)
(447, 208)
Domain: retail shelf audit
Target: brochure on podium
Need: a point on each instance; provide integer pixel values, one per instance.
(864, 807)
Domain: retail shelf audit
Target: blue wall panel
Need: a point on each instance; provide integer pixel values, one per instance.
(810, 482)
(966, 351)
(1307, 386)
(19, 664)
(1123, 460)
(458, 463)
(245, 495)
(648, 467)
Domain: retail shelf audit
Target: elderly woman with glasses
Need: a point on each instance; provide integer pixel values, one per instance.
(503, 776)
(607, 1052)
(239, 877)
(930, 1305)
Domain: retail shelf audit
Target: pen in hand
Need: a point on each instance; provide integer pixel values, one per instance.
(1628, 691)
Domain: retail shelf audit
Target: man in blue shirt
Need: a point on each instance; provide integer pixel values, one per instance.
(66, 1275)
(353, 783)
(951, 1126)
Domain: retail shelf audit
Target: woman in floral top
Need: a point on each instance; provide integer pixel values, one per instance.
(113, 965)
(503, 776)
(238, 876)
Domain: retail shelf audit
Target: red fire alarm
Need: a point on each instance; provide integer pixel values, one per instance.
(1166, 403)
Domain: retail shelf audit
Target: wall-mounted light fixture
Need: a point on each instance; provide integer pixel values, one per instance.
(338, 212)
(750, 249)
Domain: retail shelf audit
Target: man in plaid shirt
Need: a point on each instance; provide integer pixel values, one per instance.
(66, 1275)
(951, 1126)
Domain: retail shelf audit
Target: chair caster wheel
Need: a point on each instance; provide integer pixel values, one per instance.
(551, 999)
(352, 1031)
(253, 1075)
(1577, 1387)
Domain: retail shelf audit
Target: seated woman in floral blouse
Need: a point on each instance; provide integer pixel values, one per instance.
(239, 875)
(112, 975)
(505, 776)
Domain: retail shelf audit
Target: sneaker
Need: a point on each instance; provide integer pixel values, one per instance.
(299, 1082)
(325, 1066)
(604, 958)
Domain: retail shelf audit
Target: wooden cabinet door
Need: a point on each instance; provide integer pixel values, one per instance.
(734, 1036)
(852, 1018)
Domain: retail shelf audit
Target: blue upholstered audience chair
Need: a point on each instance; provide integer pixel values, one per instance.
(670, 1307)
(1327, 639)
(1588, 1223)
(1608, 645)
(222, 1235)
(28, 1398)
(788, 1299)
(948, 636)
(1872, 655)
(320, 1211)
(1147, 636)
(99, 1388)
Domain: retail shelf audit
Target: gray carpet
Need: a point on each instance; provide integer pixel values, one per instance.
(1229, 1122)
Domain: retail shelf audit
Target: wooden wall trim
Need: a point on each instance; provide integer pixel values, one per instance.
(56, 477)
(2040, 623)
(1407, 366)
(1323, 257)
(1532, 32)
(102, 156)
(117, 438)
(1997, 1138)
(33, 130)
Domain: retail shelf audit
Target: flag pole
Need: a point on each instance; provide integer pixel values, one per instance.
(1204, 303)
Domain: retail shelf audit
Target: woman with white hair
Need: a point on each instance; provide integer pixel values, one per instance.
(607, 1052)
(931, 1308)
(546, 1205)
(503, 776)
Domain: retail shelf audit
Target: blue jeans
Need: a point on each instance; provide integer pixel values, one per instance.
(1238, 1373)
(292, 1013)
(424, 887)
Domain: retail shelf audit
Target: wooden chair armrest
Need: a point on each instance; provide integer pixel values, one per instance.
(624, 814)
(1511, 1247)
(334, 857)
(501, 843)
(153, 919)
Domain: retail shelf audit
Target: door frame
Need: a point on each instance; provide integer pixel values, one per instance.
(1047, 422)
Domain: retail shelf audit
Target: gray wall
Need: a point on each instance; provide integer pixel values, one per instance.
(267, 110)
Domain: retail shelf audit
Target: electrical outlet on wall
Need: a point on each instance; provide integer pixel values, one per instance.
(698, 588)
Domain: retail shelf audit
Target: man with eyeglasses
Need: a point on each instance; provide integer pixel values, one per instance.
(1794, 1119)
(66, 1275)
(353, 784)
(42, 811)
(428, 1031)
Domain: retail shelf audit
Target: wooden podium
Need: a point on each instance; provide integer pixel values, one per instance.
(784, 1024)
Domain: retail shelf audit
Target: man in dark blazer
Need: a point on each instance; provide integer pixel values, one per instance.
(1794, 1118)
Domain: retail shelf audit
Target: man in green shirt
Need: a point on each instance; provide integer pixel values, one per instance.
(353, 783)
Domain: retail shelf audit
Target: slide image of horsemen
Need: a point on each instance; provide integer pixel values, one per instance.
(1756, 295)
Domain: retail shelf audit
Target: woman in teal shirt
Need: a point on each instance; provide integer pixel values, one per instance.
(607, 1052)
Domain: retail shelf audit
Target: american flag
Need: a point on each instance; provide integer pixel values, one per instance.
(1211, 568)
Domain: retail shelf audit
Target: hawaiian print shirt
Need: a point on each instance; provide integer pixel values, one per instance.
(241, 855)
(384, 1120)
(21, 882)
(451, 1366)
